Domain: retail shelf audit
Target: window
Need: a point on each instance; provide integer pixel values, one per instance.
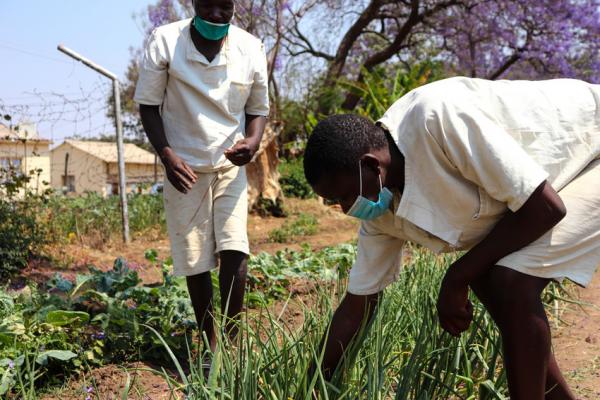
(9, 167)
(7, 163)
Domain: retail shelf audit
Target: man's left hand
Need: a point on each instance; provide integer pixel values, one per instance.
(455, 311)
(242, 152)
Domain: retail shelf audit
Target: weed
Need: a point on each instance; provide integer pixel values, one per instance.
(302, 225)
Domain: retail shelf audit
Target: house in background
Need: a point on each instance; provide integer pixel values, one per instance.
(22, 149)
(93, 167)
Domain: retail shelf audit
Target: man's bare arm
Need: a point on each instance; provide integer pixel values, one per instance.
(352, 313)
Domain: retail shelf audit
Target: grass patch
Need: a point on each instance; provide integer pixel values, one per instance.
(302, 225)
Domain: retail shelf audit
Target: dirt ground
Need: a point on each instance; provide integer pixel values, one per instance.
(577, 343)
(576, 339)
(71, 259)
(109, 383)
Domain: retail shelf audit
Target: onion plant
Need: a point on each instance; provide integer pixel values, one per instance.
(403, 354)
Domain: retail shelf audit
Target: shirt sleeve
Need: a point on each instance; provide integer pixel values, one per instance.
(377, 262)
(487, 155)
(153, 72)
(258, 100)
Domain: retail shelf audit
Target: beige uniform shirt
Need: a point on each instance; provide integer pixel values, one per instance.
(203, 104)
(474, 149)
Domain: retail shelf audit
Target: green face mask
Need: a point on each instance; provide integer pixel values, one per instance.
(210, 30)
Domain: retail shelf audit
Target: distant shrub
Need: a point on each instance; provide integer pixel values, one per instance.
(303, 225)
(292, 180)
(95, 220)
(21, 233)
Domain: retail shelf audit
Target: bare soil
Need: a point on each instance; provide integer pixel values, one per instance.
(109, 383)
(577, 342)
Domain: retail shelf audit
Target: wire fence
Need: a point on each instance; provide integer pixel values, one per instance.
(70, 138)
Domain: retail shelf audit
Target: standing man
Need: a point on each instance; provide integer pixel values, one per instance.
(203, 99)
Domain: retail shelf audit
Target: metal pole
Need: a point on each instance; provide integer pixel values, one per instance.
(121, 159)
(118, 127)
(87, 62)
(155, 168)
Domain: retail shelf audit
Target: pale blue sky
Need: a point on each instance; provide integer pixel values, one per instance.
(30, 30)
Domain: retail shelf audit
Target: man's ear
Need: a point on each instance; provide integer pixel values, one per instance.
(371, 161)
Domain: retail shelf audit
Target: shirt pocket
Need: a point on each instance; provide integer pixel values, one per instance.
(239, 91)
(482, 204)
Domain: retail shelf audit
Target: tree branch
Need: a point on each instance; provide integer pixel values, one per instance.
(413, 20)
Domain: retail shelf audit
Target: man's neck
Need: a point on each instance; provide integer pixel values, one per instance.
(395, 170)
(208, 48)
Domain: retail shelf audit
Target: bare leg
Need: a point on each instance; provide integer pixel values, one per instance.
(556, 385)
(514, 302)
(200, 289)
(232, 283)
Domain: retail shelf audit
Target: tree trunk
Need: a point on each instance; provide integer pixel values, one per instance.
(264, 193)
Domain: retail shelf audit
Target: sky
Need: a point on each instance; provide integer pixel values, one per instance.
(39, 83)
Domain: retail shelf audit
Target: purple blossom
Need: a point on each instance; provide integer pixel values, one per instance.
(161, 13)
(11, 364)
(256, 10)
(515, 39)
(522, 39)
(89, 389)
(100, 335)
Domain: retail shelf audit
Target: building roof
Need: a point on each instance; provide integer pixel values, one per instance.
(29, 134)
(107, 151)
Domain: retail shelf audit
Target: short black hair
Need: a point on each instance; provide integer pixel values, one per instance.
(337, 143)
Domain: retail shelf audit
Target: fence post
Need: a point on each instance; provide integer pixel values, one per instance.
(119, 129)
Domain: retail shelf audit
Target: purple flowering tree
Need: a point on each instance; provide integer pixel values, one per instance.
(313, 45)
(531, 39)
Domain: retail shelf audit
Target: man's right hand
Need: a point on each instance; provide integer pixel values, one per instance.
(181, 176)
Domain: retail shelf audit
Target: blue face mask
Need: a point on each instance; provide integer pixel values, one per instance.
(210, 30)
(366, 209)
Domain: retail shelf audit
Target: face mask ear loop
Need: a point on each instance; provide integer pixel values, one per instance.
(360, 175)
(380, 184)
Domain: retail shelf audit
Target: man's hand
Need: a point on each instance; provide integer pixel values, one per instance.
(181, 176)
(455, 311)
(242, 152)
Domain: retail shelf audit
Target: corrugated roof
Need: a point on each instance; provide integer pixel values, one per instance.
(107, 151)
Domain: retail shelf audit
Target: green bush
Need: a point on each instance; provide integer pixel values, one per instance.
(92, 216)
(381, 88)
(292, 179)
(21, 233)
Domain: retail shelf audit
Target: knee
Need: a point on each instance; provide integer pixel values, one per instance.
(234, 263)
(524, 320)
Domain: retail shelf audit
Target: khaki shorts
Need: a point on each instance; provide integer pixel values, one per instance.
(210, 218)
(572, 248)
